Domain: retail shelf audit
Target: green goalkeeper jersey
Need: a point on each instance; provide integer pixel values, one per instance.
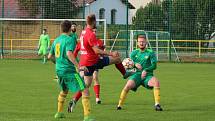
(146, 58)
(59, 48)
(44, 40)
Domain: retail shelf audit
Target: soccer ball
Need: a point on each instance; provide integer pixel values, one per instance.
(128, 63)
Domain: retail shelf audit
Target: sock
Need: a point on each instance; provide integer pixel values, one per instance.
(157, 95)
(121, 68)
(61, 100)
(122, 97)
(86, 105)
(77, 96)
(44, 59)
(97, 90)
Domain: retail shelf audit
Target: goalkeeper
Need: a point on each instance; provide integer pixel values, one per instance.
(145, 62)
(43, 45)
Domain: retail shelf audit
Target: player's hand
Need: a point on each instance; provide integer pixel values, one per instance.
(83, 68)
(138, 66)
(115, 54)
(143, 75)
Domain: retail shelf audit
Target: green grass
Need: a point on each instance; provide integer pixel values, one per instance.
(29, 93)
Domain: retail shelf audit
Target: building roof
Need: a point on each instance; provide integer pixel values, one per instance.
(79, 3)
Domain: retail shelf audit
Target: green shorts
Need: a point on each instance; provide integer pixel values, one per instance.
(138, 81)
(42, 51)
(72, 82)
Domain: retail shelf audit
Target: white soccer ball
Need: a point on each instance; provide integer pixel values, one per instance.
(128, 63)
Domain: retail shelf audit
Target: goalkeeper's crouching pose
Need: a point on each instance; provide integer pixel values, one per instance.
(145, 62)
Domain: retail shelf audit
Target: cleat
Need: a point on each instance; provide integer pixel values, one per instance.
(88, 119)
(59, 115)
(158, 107)
(98, 102)
(71, 106)
(119, 108)
(129, 73)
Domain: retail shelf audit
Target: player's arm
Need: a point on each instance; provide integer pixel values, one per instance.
(77, 49)
(51, 54)
(133, 57)
(39, 42)
(70, 49)
(48, 38)
(153, 65)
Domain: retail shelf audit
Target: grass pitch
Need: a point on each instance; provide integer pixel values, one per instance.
(29, 93)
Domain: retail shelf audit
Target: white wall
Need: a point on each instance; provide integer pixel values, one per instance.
(108, 5)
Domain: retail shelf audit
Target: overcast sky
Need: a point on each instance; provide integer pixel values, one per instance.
(138, 3)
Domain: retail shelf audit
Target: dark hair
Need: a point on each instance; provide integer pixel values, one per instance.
(141, 36)
(73, 23)
(45, 30)
(66, 26)
(90, 19)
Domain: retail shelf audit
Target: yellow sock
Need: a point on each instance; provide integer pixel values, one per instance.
(122, 97)
(86, 105)
(61, 99)
(157, 95)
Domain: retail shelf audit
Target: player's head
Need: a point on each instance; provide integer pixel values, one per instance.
(73, 28)
(91, 21)
(66, 26)
(44, 31)
(141, 41)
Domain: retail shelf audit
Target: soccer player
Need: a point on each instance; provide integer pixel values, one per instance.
(96, 87)
(90, 54)
(145, 62)
(69, 80)
(43, 45)
(73, 33)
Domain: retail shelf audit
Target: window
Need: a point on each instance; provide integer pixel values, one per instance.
(113, 16)
(101, 14)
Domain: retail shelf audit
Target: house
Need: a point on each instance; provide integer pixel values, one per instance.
(114, 11)
(13, 10)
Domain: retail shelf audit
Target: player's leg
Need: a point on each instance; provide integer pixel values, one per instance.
(96, 86)
(129, 85)
(76, 97)
(153, 82)
(86, 98)
(44, 54)
(61, 100)
(118, 63)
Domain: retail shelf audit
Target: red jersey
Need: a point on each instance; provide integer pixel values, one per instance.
(88, 40)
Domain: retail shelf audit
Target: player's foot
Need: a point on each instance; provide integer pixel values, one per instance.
(129, 73)
(59, 115)
(158, 107)
(88, 119)
(119, 108)
(71, 106)
(98, 101)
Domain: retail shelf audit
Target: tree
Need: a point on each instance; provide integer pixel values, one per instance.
(149, 18)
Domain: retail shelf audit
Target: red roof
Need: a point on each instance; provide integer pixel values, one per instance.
(12, 10)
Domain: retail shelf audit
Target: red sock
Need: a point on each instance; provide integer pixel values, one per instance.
(121, 68)
(97, 90)
(77, 96)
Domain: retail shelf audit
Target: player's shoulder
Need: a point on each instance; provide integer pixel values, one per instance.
(150, 51)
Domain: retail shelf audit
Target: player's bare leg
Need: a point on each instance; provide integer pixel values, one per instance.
(153, 82)
(129, 85)
(118, 63)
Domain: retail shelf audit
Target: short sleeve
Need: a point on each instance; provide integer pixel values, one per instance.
(92, 40)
